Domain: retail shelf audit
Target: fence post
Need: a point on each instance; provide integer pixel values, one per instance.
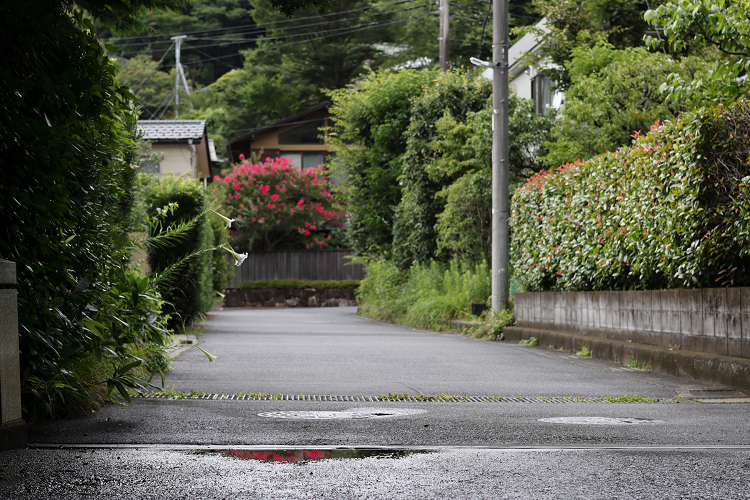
(12, 426)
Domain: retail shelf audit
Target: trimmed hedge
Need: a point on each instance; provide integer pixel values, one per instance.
(671, 211)
(193, 294)
(298, 284)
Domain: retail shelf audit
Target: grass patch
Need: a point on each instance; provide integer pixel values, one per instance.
(529, 341)
(633, 363)
(584, 352)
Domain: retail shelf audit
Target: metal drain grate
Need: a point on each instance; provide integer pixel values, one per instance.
(406, 398)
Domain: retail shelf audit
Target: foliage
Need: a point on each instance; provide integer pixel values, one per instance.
(424, 294)
(465, 147)
(180, 202)
(298, 284)
(66, 148)
(368, 137)
(577, 23)
(151, 87)
(613, 93)
(464, 228)
(278, 206)
(669, 212)
(722, 24)
(424, 171)
(492, 326)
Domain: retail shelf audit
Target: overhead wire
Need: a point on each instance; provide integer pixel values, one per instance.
(355, 30)
(259, 29)
(269, 23)
(156, 66)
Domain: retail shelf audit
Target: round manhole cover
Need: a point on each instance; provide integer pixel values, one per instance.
(600, 421)
(358, 413)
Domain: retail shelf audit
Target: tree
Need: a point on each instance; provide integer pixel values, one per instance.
(66, 150)
(612, 94)
(573, 23)
(151, 87)
(368, 138)
(720, 24)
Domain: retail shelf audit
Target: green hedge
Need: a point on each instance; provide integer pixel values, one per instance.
(298, 284)
(669, 212)
(193, 293)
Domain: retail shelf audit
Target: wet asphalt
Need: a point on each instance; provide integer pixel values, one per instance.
(161, 448)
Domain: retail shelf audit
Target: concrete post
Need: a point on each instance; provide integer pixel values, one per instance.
(12, 426)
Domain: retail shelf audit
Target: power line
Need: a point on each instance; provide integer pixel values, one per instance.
(357, 29)
(156, 66)
(270, 23)
(259, 29)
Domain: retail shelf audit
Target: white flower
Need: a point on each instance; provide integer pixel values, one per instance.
(239, 258)
(211, 357)
(225, 219)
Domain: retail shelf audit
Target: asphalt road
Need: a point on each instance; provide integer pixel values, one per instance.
(546, 447)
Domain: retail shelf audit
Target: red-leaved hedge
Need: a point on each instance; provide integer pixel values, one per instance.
(672, 211)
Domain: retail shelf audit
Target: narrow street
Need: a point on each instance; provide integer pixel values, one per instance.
(418, 414)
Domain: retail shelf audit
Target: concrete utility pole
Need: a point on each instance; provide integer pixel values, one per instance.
(500, 163)
(444, 38)
(180, 73)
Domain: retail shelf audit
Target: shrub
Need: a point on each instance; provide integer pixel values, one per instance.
(278, 206)
(669, 212)
(424, 294)
(298, 284)
(193, 294)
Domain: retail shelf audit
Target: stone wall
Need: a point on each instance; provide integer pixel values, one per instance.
(711, 320)
(307, 297)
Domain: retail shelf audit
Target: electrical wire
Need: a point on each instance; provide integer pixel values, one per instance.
(259, 29)
(156, 66)
(269, 23)
(362, 28)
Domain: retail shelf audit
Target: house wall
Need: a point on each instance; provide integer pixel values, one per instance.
(178, 159)
(521, 86)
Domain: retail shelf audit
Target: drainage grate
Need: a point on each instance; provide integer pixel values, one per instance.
(403, 398)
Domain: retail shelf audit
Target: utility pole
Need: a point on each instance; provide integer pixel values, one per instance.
(500, 157)
(444, 38)
(180, 73)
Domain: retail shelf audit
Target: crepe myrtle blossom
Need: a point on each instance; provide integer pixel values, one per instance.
(239, 258)
(227, 220)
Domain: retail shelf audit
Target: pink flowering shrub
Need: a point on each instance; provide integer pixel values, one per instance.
(278, 206)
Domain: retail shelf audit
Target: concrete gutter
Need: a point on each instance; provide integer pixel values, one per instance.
(182, 344)
(699, 366)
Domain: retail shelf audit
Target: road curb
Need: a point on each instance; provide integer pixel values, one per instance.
(699, 366)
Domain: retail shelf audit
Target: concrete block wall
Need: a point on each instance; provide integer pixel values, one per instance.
(710, 320)
(12, 426)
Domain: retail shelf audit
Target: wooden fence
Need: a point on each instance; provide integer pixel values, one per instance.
(298, 265)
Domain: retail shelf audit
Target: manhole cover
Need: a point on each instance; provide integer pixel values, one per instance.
(357, 413)
(599, 421)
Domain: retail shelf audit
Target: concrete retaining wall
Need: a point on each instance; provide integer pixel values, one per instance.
(12, 427)
(712, 320)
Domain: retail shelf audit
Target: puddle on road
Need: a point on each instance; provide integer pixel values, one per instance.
(300, 456)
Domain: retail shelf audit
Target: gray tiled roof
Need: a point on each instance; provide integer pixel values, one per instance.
(172, 130)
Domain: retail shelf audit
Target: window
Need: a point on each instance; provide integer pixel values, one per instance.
(313, 159)
(304, 134)
(544, 95)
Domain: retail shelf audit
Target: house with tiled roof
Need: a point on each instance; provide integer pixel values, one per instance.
(183, 145)
(301, 138)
